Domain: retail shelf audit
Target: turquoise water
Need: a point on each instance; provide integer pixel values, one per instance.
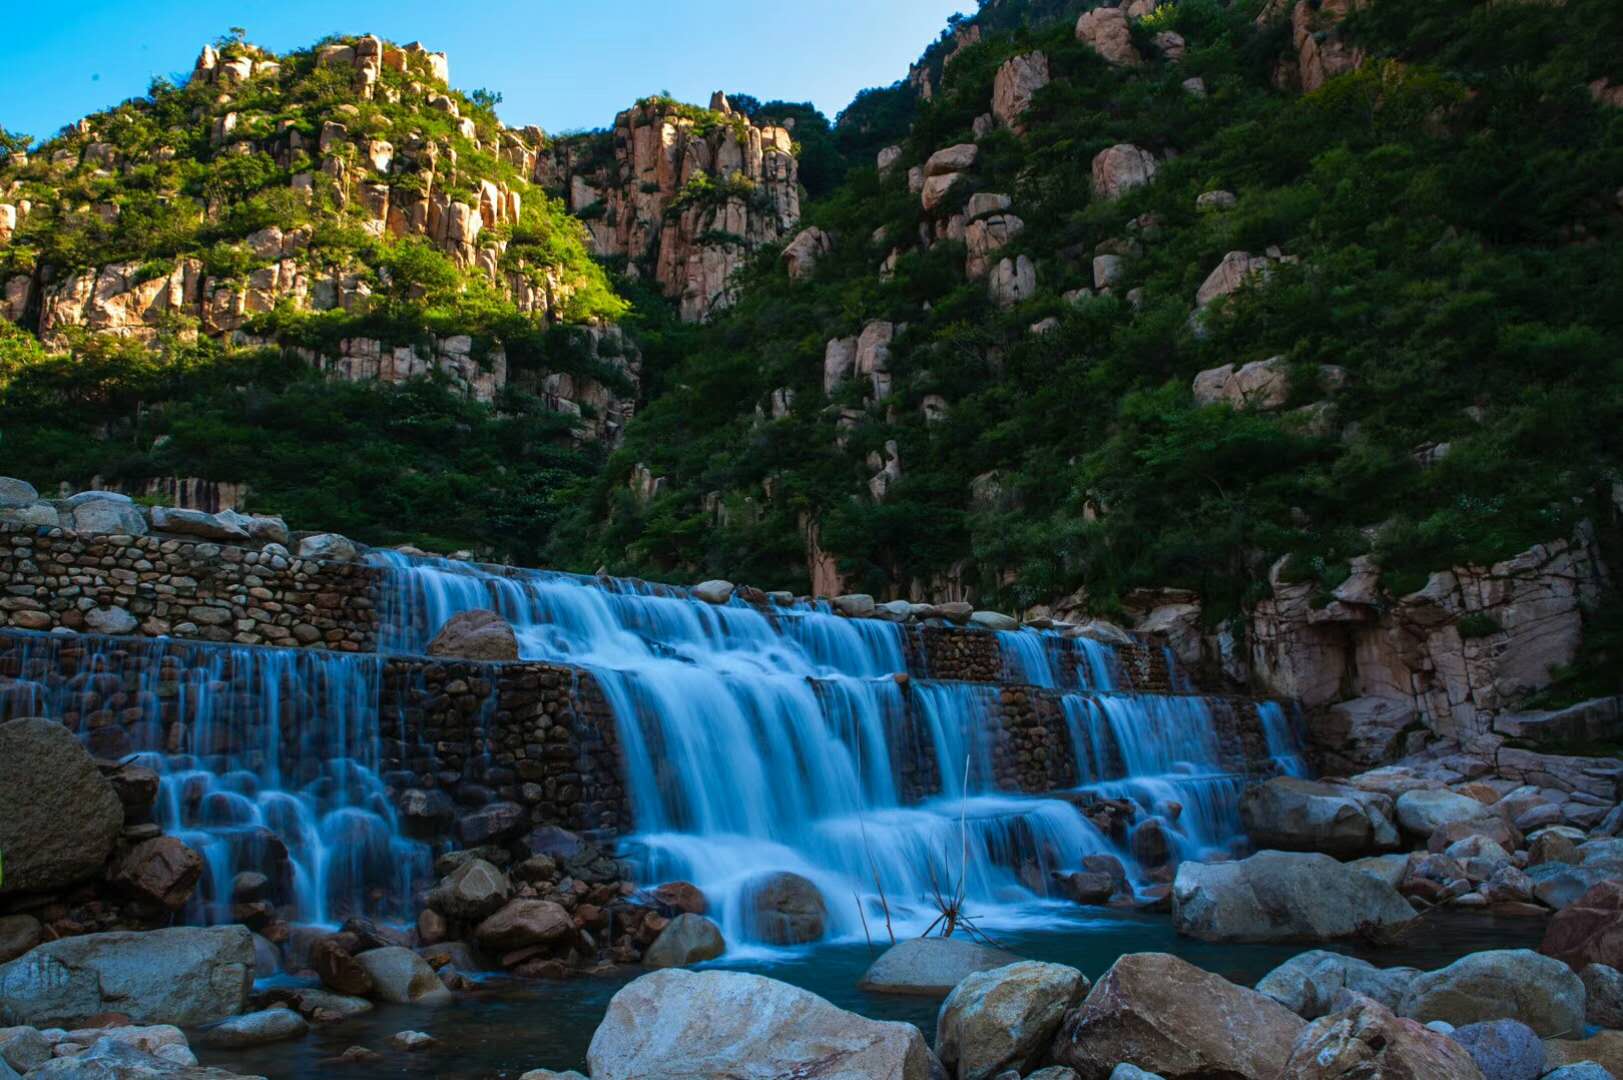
(509, 1027)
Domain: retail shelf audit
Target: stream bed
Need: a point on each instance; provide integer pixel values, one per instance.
(508, 1027)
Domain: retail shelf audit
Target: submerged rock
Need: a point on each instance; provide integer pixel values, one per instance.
(1005, 1018)
(1283, 896)
(930, 967)
(254, 1029)
(697, 1025)
(1168, 1016)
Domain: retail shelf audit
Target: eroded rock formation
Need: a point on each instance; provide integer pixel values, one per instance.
(684, 194)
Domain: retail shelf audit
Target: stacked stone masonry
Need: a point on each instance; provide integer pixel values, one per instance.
(537, 735)
(465, 743)
(51, 579)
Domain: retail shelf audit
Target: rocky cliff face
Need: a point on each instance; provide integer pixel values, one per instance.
(354, 147)
(683, 194)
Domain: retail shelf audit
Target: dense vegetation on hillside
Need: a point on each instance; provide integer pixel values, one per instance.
(1453, 213)
(164, 178)
(1453, 206)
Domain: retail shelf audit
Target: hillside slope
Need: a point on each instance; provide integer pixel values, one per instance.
(1011, 372)
(1192, 301)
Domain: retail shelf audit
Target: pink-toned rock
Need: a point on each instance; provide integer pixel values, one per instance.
(1016, 82)
(1121, 168)
(1367, 1039)
(161, 871)
(1106, 31)
(801, 255)
(475, 635)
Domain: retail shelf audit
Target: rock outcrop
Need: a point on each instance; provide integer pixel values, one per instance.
(1121, 168)
(686, 199)
(408, 189)
(1016, 82)
(1383, 676)
(1106, 31)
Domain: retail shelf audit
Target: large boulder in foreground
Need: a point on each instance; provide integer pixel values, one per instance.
(61, 815)
(1499, 984)
(1365, 1039)
(1290, 814)
(183, 975)
(1309, 983)
(1283, 896)
(931, 967)
(688, 1025)
(1005, 1018)
(1589, 930)
(475, 635)
(111, 1058)
(1169, 1017)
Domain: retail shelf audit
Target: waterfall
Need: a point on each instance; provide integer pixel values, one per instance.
(758, 741)
(1284, 741)
(1052, 661)
(267, 760)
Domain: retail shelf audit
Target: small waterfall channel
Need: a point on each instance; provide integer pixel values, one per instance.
(267, 758)
(770, 738)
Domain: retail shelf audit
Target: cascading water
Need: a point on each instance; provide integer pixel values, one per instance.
(267, 761)
(757, 743)
(772, 740)
(1284, 744)
(1052, 661)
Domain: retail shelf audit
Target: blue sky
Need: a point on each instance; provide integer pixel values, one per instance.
(562, 65)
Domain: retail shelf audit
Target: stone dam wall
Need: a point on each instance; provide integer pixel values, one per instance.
(471, 749)
(157, 586)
